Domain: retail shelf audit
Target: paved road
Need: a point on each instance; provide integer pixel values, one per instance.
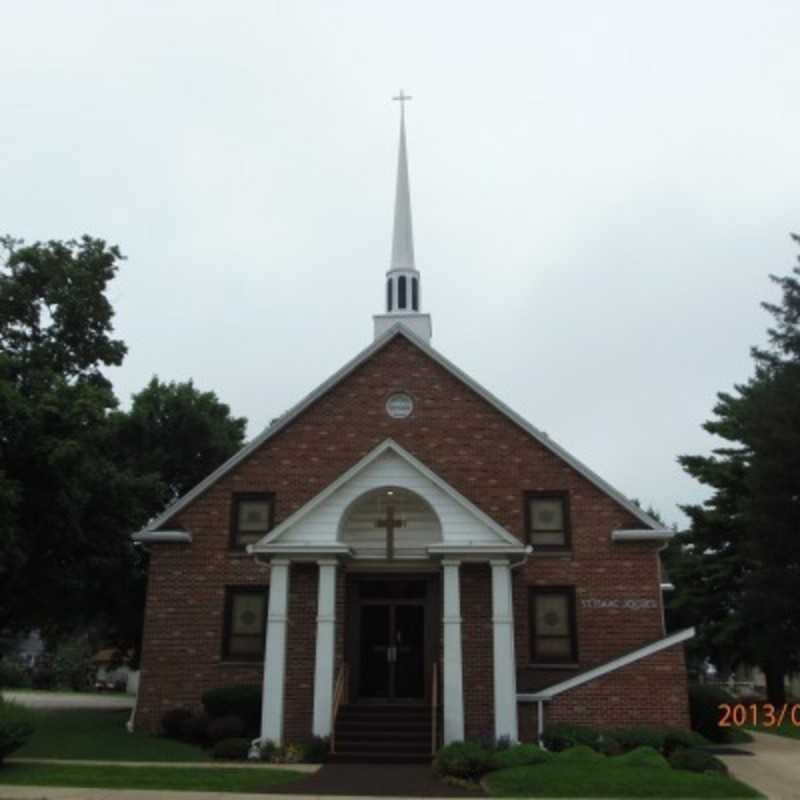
(61, 701)
(774, 767)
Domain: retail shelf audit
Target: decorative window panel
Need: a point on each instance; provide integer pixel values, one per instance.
(245, 624)
(552, 615)
(252, 519)
(548, 521)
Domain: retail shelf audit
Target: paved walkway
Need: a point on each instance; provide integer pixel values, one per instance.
(773, 768)
(354, 781)
(63, 701)
(77, 762)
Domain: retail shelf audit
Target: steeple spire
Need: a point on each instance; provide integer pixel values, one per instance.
(403, 236)
(403, 285)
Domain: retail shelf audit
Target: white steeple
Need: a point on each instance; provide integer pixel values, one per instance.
(403, 286)
(403, 235)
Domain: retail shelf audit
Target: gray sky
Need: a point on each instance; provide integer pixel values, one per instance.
(599, 192)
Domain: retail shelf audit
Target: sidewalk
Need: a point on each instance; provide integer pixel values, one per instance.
(74, 762)
(774, 767)
(58, 793)
(353, 781)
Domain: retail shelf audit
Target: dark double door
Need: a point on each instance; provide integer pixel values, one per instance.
(392, 641)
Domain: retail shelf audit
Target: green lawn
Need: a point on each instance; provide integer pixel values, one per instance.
(602, 779)
(163, 778)
(96, 735)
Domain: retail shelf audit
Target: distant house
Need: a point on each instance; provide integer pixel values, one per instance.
(26, 649)
(112, 672)
(746, 677)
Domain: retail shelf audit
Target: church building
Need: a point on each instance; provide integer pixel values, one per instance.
(401, 561)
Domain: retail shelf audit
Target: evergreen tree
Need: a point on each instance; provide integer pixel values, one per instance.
(739, 565)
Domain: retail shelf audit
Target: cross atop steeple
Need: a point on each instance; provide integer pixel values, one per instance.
(403, 98)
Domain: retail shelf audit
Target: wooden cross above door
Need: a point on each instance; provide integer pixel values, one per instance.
(390, 523)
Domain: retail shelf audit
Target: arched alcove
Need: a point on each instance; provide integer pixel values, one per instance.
(416, 525)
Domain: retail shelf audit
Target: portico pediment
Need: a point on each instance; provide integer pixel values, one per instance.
(390, 495)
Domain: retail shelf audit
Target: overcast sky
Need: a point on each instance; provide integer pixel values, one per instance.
(599, 192)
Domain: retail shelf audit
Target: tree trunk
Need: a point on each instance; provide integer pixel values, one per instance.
(776, 687)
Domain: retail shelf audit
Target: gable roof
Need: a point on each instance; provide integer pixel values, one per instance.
(400, 330)
(388, 445)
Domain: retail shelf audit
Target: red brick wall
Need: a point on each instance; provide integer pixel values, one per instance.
(652, 691)
(456, 433)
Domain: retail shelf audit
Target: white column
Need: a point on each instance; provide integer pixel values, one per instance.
(505, 668)
(453, 668)
(323, 665)
(275, 658)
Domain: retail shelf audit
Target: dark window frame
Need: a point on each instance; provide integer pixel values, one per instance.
(402, 294)
(548, 495)
(389, 295)
(227, 623)
(569, 591)
(238, 497)
(415, 294)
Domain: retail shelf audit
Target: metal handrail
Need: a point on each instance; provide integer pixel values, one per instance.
(434, 706)
(338, 694)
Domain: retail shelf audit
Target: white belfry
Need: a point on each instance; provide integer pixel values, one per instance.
(403, 285)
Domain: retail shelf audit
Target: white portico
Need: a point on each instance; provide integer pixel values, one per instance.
(390, 525)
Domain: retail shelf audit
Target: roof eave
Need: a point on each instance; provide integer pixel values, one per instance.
(162, 537)
(645, 535)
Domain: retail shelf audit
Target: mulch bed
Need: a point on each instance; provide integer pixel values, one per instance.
(376, 780)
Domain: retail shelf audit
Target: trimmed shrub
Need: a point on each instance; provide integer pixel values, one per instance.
(172, 722)
(677, 739)
(14, 676)
(267, 749)
(233, 749)
(633, 738)
(12, 736)
(464, 760)
(580, 753)
(704, 702)
(641, 757)
(290, 754)
(520, 755)
(696, 761)
(43, 677)
(240, 701)
(563, 736)
(315, 750)
(230, 727)
(72, 665)
(195, 728)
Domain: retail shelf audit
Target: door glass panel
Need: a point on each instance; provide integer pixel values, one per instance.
(409, 639)
(374, 673)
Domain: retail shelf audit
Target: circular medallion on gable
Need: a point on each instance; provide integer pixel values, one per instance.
(399, 405)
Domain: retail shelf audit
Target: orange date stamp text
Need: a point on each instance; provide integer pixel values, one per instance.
(758, 715)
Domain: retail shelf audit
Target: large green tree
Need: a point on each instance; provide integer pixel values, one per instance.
(738, 568)
(78, 475)
(178, 435)
(65, 503)
(172, 437)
